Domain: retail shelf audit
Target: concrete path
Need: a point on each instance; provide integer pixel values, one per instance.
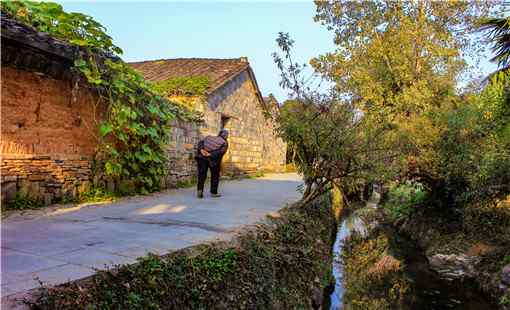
(58, 245)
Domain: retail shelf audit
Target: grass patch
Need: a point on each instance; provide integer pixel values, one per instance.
(255, 175)
(506, 259)
(25, 202)
(186, 183)
(505, 299)
(488, 220)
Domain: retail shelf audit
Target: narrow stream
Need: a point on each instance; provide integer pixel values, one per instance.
(349, 224)
(431, 292)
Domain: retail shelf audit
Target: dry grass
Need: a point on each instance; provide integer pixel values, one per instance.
(479, 249)
(386, 264)
(373, 278)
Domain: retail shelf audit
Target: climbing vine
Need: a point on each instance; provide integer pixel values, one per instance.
(136, 125)
(75, 28)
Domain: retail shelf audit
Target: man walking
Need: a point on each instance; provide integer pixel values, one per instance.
(210, 151)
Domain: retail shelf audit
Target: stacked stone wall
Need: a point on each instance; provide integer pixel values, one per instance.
(181, 153)
(44, 179)
(253, 144)
(48, 140)
(274, 149)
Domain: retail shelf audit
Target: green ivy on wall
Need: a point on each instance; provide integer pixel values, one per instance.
(189, 91)
(136, 126)
(183, 86)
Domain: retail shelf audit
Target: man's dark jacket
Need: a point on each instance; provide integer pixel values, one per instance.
(216, 155)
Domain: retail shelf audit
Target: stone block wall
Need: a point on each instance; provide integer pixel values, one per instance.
(44, 178)
(47, 139)
(253, 145)
(274, 149)
(181, 152)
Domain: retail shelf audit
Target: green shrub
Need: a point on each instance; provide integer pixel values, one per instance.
(96, 194)
(186, 183)
(23, 202)
(507, 259)
(403, 198)
(505, 299)
(467, 160)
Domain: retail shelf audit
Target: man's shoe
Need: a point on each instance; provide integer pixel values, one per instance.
(215, 195)
(200, 194)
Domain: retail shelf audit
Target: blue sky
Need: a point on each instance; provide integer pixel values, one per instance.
(155, 30)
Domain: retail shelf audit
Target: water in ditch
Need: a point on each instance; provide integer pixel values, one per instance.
(349, 224)
(431, 292)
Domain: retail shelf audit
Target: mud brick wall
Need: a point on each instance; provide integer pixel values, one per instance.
(251, 141)
(47, 139)
(181, 152)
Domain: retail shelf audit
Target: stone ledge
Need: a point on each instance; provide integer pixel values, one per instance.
(10, 156)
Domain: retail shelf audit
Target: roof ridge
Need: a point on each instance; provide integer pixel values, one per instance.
(241, 59)
(218, 71)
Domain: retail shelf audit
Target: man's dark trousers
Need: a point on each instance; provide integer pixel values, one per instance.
(203, 165)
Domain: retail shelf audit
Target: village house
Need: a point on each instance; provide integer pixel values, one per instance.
(49, 120)
(234, 102)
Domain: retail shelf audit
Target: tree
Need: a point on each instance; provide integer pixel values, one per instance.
(397, 58)
(332, 142)
(400, 61)
(499, 32)
(470, 150)
(394, 110)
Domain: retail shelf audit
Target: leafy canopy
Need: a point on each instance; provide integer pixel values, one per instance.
(394, 111)
(397, 57)
(499, 32)
(332, 143)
